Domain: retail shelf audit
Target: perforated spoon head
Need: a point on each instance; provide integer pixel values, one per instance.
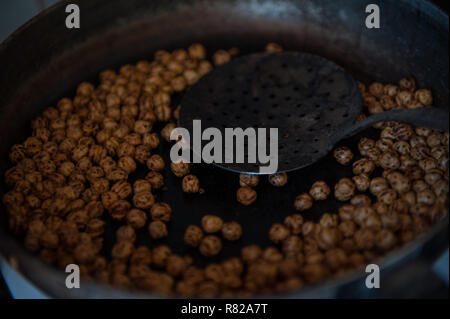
(306, 97)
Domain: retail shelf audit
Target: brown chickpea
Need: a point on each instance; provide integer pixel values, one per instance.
(365, 144)
(345, 212)
(109, 198)
(377, 185)
(136, 218)
(193, 236)
(387, 196)
(197, 51)
(122, 189)
(119, 209)
(141, 185)
(344, 189)
(347, 228)
(250, 253)
(273, 47)
(210, 246)
(407, 83)
(361, 214)
(441, 187)
(303, 202)
(231, 231)
(278, 233)
(384, 144)
(278, 180)
(161, 211)
(211, 223)
(328, 238)
(167, 131)
(426, 197)
(143, 200)
(155, 179)
(294, 222)
(127, 164)
(363, 166)
(249, 180)
(141, 256)
(319, 190)
(343, 155)
(151, 140)
(126, 232)
(404, 99)
(180, 169)
(160, 255)
(246, 195)
(162, 112)
(155, 163)
(424, 96)
(190, 184)
(389, 160)
(175, 265)
(272, 255)
(122, 250)
(362, 182)
(157, 229)
(376, 89)
(221, 57)
(385, 239)
(364, 239)
(328, 220)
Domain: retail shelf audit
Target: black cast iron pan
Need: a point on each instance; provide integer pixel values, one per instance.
(43, 61)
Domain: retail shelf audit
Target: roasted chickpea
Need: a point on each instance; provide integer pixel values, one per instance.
(155, 163)
(122, 250)
(155, 179)
(142, 185)
(190, 184)
(193, 235)
(273, 47)
(319, 190)
(122, 189)
(210, 246)
(362, 182)
(250, 253)
(365, 144)
(389, 160)
(160, 254)
(231, 231)
(157, 229)
(294, 223)
(344, 189)
(161, 211)
(377, 185)
(343, 155)
(221, 57)
(278, 233)
(211, 223)
(180, 169)
(249, 180)
(246, 195)
(363, 166)
(143, 200)
(278, 180)
(136, 218)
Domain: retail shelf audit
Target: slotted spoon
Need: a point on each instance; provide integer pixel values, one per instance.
(312, 101)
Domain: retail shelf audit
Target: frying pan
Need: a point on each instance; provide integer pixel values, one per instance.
(43, 61)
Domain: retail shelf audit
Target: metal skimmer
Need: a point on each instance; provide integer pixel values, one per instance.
(312, 101)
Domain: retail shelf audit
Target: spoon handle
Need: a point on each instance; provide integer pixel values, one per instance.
(430, 117)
